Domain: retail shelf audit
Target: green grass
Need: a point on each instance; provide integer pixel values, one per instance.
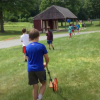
(13, 29)
(75, 62)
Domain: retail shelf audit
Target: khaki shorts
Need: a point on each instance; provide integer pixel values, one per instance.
(35, 77)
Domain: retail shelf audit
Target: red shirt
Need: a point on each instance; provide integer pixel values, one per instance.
(49, 35)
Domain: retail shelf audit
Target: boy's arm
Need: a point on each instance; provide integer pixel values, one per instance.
(21, 39)
(52, 36)
(46, 60)
(46, 33)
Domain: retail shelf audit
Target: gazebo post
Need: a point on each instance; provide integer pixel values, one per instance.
(65, 24)
(73, 21)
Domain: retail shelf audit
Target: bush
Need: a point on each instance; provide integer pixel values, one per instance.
(24, 20)
(14, 19)
(19, 20)
(30, 19)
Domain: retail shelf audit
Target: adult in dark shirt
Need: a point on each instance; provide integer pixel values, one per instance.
(49, 37)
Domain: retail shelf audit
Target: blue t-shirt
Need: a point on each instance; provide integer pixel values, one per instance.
(35, 52)
(77, 26)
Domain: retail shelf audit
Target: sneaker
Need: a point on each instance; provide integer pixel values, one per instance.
(49, 48)
(24, 61)
(53, 48)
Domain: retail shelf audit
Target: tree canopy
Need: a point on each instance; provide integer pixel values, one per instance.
(15, 6)
(83, 9)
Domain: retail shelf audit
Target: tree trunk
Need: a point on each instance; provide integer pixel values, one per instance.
(1, 20)
(65, 25)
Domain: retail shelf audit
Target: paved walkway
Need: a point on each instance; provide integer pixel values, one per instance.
(15, 42)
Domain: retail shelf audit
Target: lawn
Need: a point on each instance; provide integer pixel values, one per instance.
(13, 29)
(75, 62)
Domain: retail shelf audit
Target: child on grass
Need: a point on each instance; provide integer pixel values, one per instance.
(77, 26)
(70, 31)
(25, 41)
(73, 33)
(49, 37)
(35, 52)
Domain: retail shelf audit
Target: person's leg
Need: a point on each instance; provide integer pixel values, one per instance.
(35, 91)
(25, 57)
(49, 46)
(69, 35)
(52, 46)
(24, 51)
(42, 79)
(78, 31)
(42, 88)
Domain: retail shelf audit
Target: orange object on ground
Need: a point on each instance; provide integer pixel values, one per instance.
(50, 84)
(55, 85)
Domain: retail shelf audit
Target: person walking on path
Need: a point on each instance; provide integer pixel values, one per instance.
(25, 41)
(77, 26)
(49, 35)
(36, 73)
(73, 33)
(70, 31)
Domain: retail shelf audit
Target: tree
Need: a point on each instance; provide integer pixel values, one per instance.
(15, 6)
(82, 13)
(73, 5)
(93, 8)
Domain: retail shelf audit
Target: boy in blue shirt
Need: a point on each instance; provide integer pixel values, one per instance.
(77, 26)
(35, 52)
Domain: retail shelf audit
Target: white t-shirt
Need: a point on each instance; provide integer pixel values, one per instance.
(25, 39)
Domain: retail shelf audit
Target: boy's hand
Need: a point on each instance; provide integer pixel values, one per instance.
(45, 65)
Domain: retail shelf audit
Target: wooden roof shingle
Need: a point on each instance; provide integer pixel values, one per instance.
(55, 12)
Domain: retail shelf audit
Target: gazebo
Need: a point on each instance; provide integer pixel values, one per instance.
(50, 17)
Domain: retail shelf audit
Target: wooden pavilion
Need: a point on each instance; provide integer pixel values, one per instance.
(50, 17)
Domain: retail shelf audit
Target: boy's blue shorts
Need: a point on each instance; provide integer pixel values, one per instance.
(49, 41)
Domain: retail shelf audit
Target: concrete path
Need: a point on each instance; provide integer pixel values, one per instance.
(15, 42)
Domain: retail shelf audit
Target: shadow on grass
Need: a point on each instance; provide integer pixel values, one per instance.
(60, 93)
(60, 49)
(1, 93)
(10, 33)
(97, 25)
(89, 25)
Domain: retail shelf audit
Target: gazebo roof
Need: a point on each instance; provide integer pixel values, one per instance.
(55, 12)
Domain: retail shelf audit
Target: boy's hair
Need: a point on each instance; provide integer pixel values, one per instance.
(33, 33)
(24, 30)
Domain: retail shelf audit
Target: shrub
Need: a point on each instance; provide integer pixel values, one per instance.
(14, 19)
(30, 19)
(24, 19)
(19, 20)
